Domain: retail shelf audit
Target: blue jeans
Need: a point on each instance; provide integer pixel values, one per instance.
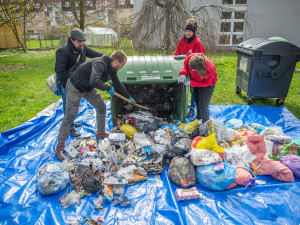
(193, 103)
(64, 99)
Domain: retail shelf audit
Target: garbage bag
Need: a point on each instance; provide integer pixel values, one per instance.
(128, 130)
(188, 128)
(52, 177)
(293, 163)
(144, 120)
(180, 145)
(215, 180)
(210, 143)
(85, 177)
(182, 172)
(201, 157)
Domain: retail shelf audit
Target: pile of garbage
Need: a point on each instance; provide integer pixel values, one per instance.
(216, 156)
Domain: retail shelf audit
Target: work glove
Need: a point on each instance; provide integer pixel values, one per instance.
(133, 101)
(182, 79)
(187, 83)
(111, 91)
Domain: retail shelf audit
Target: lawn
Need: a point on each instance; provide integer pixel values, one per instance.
(24, 91)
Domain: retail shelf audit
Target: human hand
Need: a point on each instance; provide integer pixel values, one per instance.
(133, 101)
(111, 91)
(182, 79)
(187, 83)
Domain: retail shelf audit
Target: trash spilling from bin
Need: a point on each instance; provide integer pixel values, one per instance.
(216, 156)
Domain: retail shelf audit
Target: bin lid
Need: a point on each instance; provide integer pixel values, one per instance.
(150, 69)
(275, 45)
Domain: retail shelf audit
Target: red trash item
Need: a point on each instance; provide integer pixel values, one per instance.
(195, 141)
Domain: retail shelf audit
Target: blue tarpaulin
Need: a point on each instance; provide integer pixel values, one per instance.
(24, 149)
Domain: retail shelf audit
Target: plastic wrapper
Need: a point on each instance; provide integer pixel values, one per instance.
(161, 137)
(257, 127)
(145, 121)
(272, 131)
(141, 140)
(201, 157)
(126, 172)
(215, 180)
(234, 124)
(118, 189)
(107, 193)
(210, 143)
(293, 163)
(137, 178)
(98, 202)
(103, 144)
(172, 127)
(188, 128)
(292, 148)
(70, 199)
(128, 130)
(276, 139)
(52, 177)
(182, 172)
(225, 134)
(203, 129)
(160, 149)
(180, 145)
(154, 165)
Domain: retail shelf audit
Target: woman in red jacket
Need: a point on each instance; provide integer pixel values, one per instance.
(203, 79)
(189, 44)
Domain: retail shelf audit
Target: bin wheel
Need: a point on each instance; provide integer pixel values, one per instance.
(249, 100)
(237, 90)
(280, 102)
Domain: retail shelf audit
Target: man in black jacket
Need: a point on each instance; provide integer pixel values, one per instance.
(68, 57)
(92, 74)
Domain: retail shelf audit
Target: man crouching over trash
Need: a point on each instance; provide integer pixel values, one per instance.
(83, 83)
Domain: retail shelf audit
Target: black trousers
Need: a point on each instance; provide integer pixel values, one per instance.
(202, 97)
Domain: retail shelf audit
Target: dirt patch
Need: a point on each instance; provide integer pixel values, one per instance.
(10, 67)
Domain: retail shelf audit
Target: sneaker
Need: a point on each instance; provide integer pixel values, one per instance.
(77, 124)
(74, 132)
(58, 153)
(190, 113)
(101, 136)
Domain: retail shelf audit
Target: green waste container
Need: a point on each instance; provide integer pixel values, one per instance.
(152, 82)
(265, 68)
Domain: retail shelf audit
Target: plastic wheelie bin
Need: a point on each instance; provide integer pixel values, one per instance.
(265, 68)
(152, 82)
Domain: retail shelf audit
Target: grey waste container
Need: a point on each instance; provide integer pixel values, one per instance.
(265, 68)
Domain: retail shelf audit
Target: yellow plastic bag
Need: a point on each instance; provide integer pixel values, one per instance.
(210, 143)
(188, 128)
(128, 130)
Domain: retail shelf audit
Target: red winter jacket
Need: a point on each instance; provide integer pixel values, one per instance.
(185, 48)
(196, 81)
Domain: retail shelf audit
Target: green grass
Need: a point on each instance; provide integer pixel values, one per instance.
(24, 92)
(37, 44)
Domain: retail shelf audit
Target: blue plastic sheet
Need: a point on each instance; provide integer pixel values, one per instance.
(24, 149)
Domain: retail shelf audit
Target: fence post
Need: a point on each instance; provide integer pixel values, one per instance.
(40, 42)
(51, 38)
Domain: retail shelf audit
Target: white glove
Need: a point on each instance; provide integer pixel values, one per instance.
(182, 79)
(187, 83)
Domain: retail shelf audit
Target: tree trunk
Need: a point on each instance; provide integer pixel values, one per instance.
(14, 29)
(167, 37)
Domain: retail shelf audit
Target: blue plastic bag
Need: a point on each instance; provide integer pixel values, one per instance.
(52, 177)
(215, 180)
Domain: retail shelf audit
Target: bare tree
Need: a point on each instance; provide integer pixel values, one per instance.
(163, 21)
(81, 11)
(13, 12)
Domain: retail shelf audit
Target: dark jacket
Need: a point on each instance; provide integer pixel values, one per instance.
(66, 57)
(94, 73)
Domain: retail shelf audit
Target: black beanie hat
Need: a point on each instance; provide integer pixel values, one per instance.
(191, 27)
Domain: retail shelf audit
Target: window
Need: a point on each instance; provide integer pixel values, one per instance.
(122, 11)
(39, 23)
(225, 26)
(232, 26)
(240, 2)
(234, 2)
(68, 13)
(37, 5)
(38, 15)
(28, 15)
(70, 23)
(226, 15)
(29, 24)
(67, 4)
(239, 15)
(90, 3)
(121, 2)
(40, 31)
(238, 27)
(90, 12)
(90, 21)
